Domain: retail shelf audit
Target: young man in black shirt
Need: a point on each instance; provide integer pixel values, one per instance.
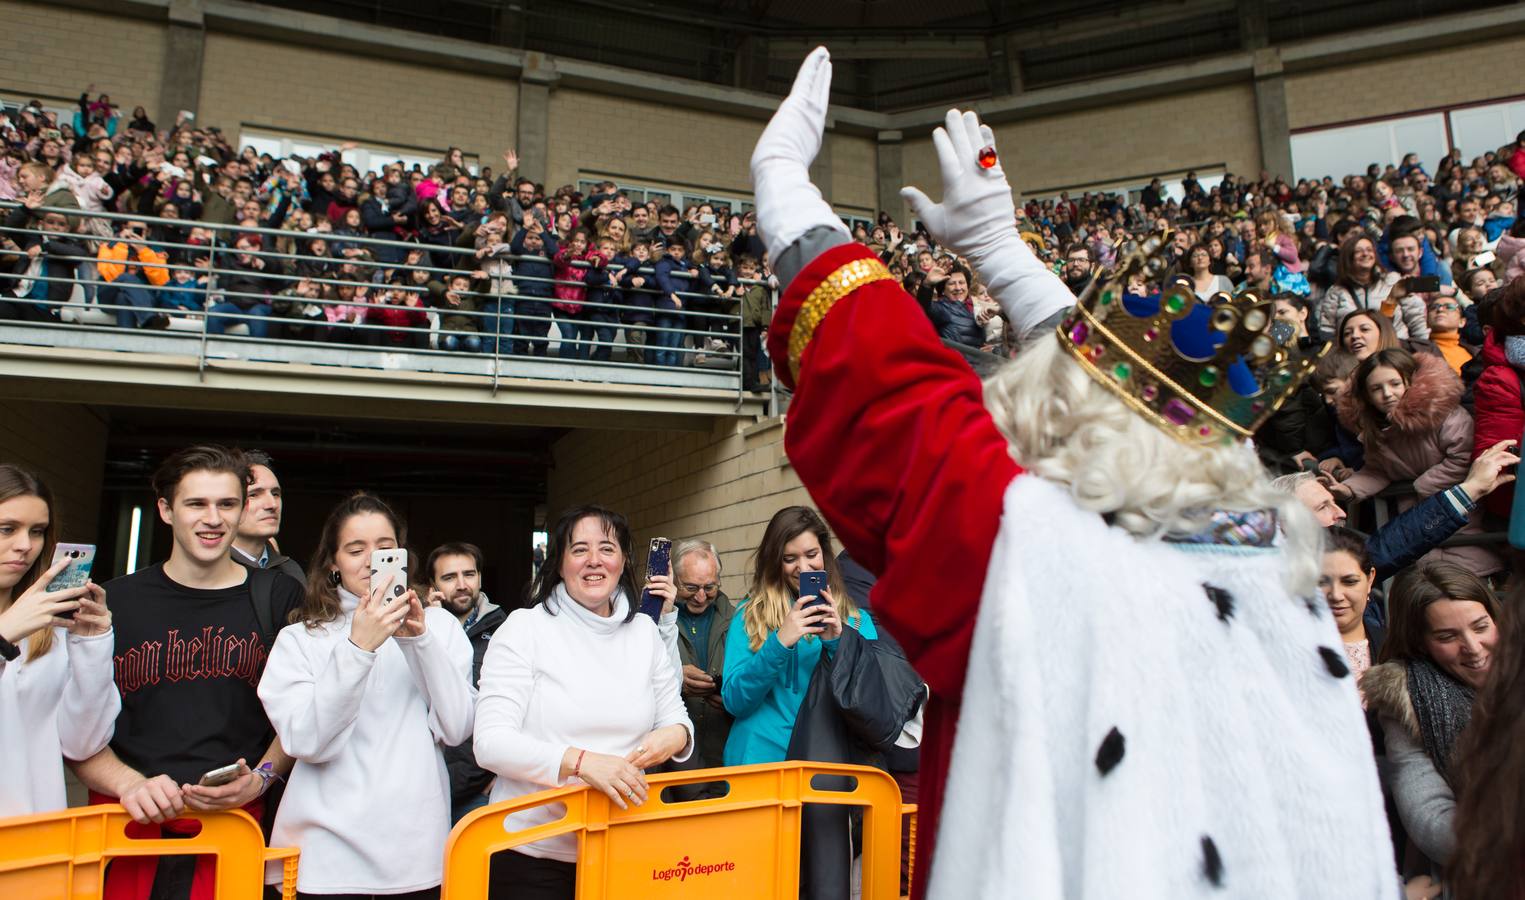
(192, 637)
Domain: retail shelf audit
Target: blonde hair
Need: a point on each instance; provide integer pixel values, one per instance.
(770, 598)
(1063, 426)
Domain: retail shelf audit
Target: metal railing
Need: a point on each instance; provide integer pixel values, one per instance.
(192, 280)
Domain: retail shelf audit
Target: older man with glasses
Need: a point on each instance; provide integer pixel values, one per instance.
(704, 617)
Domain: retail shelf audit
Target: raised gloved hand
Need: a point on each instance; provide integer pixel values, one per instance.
(788, 205)
(977, 220)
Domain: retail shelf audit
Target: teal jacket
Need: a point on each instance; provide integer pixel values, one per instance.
(764, 690)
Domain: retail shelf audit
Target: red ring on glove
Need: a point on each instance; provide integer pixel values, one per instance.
(987, 158)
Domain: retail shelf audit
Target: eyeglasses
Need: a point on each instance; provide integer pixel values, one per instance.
(1445, 307)
(711, 588)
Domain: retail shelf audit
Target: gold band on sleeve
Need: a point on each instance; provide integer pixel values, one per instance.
(845, 280)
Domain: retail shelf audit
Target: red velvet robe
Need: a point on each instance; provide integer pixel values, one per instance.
(888, 431)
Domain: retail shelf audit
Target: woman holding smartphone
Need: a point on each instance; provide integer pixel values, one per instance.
(578, 688)
(777, 636)
(57, 699)
(365, 689)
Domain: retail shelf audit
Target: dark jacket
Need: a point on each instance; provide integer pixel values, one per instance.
(712, 724)
(954, 322)
(57, 248)
(1300, 424)
(467, 779)
(672, 277)
(638, 300)
(532, 268)
(277, 561)
(454, 318)
(1413, 533)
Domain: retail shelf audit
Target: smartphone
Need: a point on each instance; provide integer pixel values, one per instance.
(1485, 258)
(221, 776)
(1423, 284)
(658, 562)
(81, 557)
(811, 585)
(392, 561)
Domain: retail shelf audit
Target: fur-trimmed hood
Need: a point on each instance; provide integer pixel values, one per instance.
(1433, 394)
(1386, 690)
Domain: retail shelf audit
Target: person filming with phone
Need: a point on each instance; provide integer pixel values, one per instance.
(578, 688)
(779, 633)
(365, 688)
(57, 698)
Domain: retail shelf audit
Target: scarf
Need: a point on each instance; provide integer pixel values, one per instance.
(1443, 707)
(1514, 350)
(561, 602)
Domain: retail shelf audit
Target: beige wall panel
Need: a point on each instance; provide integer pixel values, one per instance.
(1404, 83)
(281, 86)
(639, 141)
(854, 171)
(723, 486)
(64, 443)
(64, 50)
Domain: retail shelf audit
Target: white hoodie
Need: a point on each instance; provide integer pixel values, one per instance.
(369, 799)
(61, 705)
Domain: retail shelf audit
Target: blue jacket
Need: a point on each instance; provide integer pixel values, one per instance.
(534, 266)
(764, 689)
(637, 300)
(956, 323)
(672, 278)
(1416, 531)
(603, 288)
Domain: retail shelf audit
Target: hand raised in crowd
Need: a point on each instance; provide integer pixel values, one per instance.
(413, 622)
(511, 159)
(375, 619)
(156, 799)
(93, 617)
(658, 746)
(616, 777)
(662, 586)
(1487, 473)
(802, 621)
(37, 609)
(234, 794)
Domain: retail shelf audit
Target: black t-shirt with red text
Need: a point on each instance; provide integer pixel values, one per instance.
(188, 662)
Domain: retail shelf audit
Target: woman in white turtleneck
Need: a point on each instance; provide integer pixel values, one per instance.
(364, 694)
(57, 698)
(576, 689)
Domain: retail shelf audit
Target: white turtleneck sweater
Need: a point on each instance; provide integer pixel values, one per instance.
(62, 704)
(369, 799)
(558, 676)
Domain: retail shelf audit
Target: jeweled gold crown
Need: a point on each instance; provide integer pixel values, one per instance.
(1208, 373)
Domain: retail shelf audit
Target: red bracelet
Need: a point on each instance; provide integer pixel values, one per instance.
(577, 768)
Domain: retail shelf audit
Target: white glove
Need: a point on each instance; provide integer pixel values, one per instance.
(978, 220)
(788, 205)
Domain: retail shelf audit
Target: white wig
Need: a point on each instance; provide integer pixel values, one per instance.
(1065, 427)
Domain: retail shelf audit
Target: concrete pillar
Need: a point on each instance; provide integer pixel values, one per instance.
(534, 117)
(1271, 113)
(184, 52)
(820, 170)
(1012, 47)
(892, 178)
(1254, 25)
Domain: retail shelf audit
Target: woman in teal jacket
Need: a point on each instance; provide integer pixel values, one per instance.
(776, 638)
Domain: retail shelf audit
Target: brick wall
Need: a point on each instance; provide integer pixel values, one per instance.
(722, 485)
(53, 54)
(282, 86)
(1097, 145)
(1406, 82)
(854, 171)
(65, 444)
(652, 141)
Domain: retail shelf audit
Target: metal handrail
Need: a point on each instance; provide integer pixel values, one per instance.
(222, 236)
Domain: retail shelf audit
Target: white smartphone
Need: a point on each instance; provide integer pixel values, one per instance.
(221, 776)
(392, 561)
(81, 557)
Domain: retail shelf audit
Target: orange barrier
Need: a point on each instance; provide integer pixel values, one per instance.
(64, 854)
(741, 846)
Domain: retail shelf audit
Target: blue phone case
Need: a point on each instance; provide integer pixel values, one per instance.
(658, 562)
(811, 585)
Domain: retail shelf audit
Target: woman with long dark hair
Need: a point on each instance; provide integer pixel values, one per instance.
(1361, 283)
(1490, 842)
(1439, 651)
(777, 636)
(57, 699)
(577, 688)
(365, 689)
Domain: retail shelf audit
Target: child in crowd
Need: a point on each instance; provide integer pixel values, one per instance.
(535, 246)
(569, 290)
(673, 276)
(401, 310)
(756, 314)
(457, 300)
(601, 312)
(638, 298)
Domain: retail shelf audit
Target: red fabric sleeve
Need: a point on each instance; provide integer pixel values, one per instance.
(888, 431)
(1499, 416)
